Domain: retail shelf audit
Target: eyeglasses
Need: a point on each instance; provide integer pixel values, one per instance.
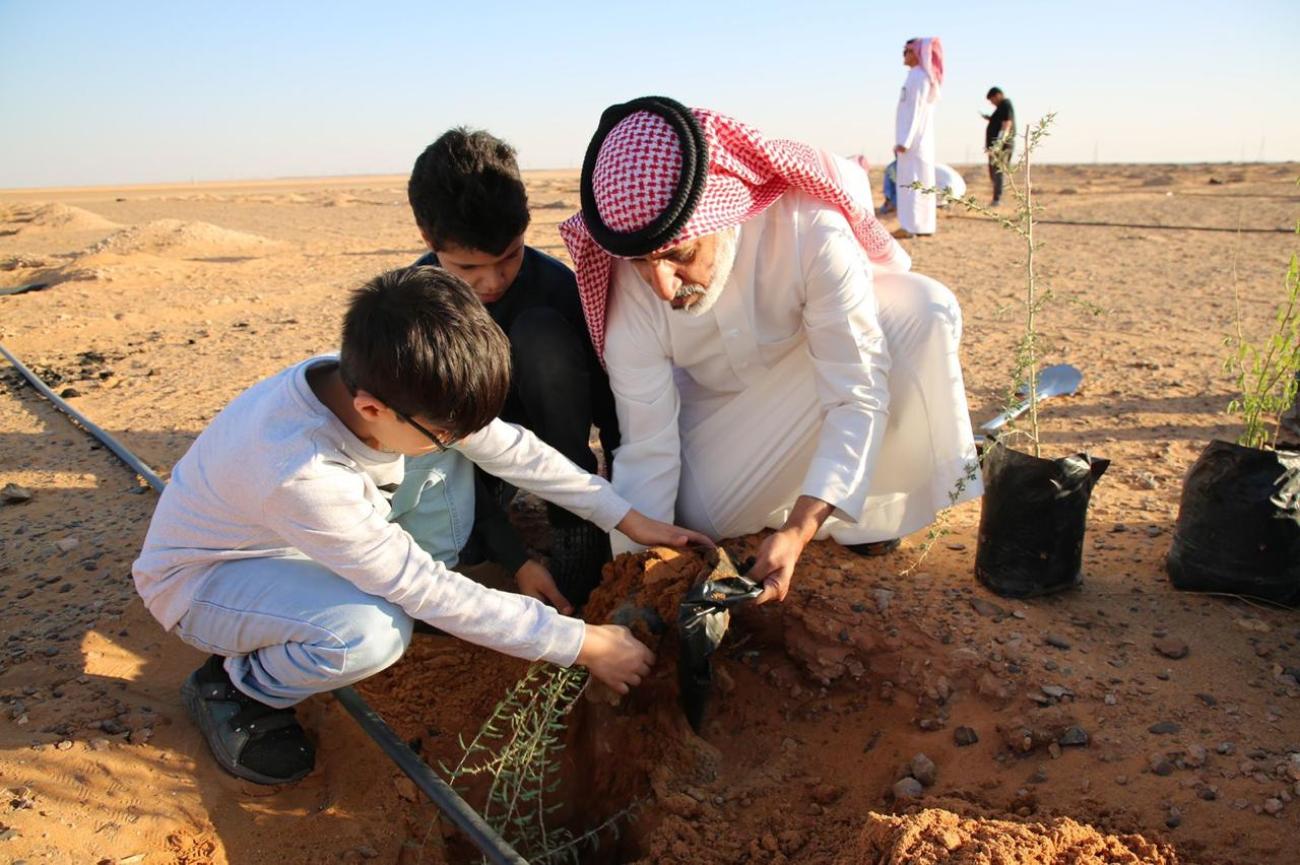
(437, 442)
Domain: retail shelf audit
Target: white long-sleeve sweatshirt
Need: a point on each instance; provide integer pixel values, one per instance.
(276, 474)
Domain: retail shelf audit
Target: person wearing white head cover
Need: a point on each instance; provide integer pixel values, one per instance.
(772, 362)
(914, 135)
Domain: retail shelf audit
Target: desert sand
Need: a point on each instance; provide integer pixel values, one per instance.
(164, 302)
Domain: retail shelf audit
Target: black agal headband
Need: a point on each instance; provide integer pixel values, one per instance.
(690, 184)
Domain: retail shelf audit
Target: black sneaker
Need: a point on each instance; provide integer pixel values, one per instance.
(577, 555)
(250, 740)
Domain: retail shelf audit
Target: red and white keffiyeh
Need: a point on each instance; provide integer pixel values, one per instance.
(929, 54)
(638, 173)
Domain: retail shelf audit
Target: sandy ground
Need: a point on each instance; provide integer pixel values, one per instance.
(165, 302)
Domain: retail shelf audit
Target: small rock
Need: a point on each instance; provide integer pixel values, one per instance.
(1174, 819)
(1209, 794)
(964, 736)
(1207, 699)
(1160, 765)
(1195, 757)
(1171, 648)
(12, 494)
(1054, 751)
(368, 852)
(987, 608)
(826, 794)
(1252, 624)
(99, 743)
(924, 770)
(1225, 748)
(1056, 641)
(908, 788)
(883, 598)
(1273, 806)
(69, 393)
(1074, 736)
(1163, 727)
(67, 544)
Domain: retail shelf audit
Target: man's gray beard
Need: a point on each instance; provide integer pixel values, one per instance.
(724, 259)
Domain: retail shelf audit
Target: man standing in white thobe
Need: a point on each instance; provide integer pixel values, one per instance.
(773, 364)
(914, 136)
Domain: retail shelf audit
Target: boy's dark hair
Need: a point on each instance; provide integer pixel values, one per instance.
(465, 190)
(420, 341)
(993, 91)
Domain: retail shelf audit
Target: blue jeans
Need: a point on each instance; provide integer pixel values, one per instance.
(289, 628)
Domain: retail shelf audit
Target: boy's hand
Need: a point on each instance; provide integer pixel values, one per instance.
(615, 657)
(536, 582)
(653, 533)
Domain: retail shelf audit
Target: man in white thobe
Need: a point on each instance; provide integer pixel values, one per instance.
(772, 363)
(914, 136)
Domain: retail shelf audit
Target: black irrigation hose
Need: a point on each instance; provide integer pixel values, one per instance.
(150, 476)
(449, 802)
(1151, 225)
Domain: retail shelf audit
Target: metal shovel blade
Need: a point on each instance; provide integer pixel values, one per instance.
(1060, 380)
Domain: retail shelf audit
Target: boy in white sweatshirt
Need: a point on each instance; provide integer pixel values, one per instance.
(272, 546)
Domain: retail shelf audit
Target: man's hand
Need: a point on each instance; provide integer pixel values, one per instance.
(615, 657)
(774, 564)
(899, 149)
(779, 553)
(653, 533)
(536, 582)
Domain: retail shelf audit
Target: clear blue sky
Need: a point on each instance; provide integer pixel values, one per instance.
(116, 91)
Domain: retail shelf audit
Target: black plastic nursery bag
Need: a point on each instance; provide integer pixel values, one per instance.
(1238, 527)
(1033, 518)
(702, 620)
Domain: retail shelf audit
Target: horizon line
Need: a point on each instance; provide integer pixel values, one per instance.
(352, 176)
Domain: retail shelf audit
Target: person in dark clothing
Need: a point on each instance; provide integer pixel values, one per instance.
(471, 207)
(999, 138)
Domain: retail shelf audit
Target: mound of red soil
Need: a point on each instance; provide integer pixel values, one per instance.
(938, 837)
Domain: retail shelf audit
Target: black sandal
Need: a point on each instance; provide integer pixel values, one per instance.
(875, 548)
(250, 740)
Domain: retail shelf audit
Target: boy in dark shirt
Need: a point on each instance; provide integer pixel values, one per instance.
(999, 137)
(471, 208)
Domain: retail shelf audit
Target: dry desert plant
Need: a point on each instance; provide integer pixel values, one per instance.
(1266, 373)
(1019, 180)
(518, 750)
